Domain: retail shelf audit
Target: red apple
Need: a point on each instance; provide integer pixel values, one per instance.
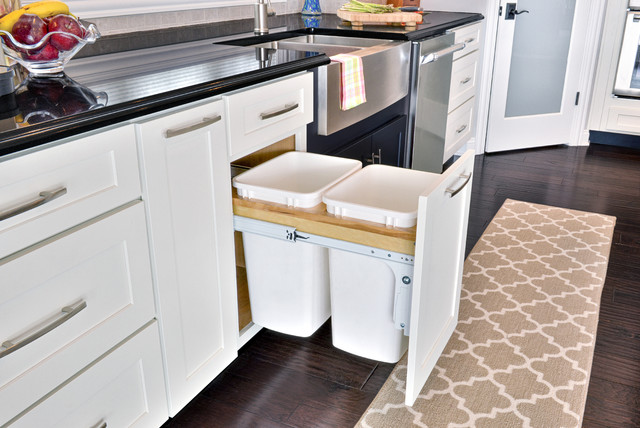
(29, 29)
(47, 53)
(66, 24)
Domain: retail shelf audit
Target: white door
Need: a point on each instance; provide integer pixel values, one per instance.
(538, 61)
(443, 214)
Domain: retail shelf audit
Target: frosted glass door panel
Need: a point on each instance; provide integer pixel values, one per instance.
(539, 57)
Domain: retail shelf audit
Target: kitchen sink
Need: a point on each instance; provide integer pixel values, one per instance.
(329, 45)
(386, 74)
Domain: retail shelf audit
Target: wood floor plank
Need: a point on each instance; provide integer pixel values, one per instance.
(614, 368)
(322, 417)
(325, 362)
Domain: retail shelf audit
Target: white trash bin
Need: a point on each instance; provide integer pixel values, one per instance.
(364, 288)
(289, 281)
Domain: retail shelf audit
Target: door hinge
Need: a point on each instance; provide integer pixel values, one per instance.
(500, 11)
(577, 97)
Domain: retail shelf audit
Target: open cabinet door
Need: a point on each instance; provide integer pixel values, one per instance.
(443, 215)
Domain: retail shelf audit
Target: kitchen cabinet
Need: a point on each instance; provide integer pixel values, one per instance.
(82, 283)
(464, 72)
(610, 113)
(187, 191)
(436, 248)
(267, 113)
(50, 190)
(383, 146)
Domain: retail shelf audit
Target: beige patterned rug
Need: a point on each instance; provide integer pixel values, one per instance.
(521, 353)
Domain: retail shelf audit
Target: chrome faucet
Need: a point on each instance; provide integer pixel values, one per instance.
(262, 9)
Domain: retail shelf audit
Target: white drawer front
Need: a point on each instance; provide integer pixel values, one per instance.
(98, 173)
(463, 80)
(624, 119)
(124, 389)
(104, 264)
(470, 35)
(459, 127)
(257, 116)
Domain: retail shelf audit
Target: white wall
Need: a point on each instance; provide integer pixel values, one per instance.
(478, 6)
(151, 21)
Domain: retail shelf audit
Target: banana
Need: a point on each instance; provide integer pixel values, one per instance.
(43, 9)
(47, 8)
(7, 21)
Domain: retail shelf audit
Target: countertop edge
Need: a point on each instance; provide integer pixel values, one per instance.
(35, 135)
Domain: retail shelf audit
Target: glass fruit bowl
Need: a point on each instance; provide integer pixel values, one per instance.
(43, 58)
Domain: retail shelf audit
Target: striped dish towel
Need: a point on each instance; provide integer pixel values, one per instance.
(352, 91)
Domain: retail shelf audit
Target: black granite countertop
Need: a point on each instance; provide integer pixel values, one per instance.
(123, 77)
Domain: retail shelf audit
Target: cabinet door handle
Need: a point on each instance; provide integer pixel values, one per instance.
(101, 424)
(470, 40)
(375, 156)
(462, 128)
(65, 315)
(465, 81)
(453, 192)
(43, 198)
(206, 121)
(287, 108)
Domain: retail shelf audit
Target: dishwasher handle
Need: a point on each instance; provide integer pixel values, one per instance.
(434, 56)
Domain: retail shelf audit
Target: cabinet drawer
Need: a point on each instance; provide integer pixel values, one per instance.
(258, 116)
(94, 174)
(104, 264)
(459, 126)
(123, 389)
(625, 119)
(463, 80)
(470, 35)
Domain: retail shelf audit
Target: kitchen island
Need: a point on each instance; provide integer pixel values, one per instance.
(116, 186)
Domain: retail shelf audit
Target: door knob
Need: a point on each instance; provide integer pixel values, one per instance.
(512, 11)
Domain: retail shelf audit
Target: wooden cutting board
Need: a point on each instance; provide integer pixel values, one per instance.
(357, 19)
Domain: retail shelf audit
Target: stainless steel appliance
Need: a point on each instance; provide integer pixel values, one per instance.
(627, 81)
(431, 62)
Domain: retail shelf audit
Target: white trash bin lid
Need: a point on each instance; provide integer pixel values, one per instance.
(381, 194)
(296, 179)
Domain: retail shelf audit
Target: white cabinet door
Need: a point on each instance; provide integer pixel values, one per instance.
(187, 189)
(443, 215)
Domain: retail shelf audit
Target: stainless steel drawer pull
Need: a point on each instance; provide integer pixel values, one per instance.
(43, 198)
(287, 108)
(471, 40)
(206, 121)
(465, 81)
(68, 312)
(453, 192)
(101, 424)
(375, 156)
(434, 56)
(462, 128)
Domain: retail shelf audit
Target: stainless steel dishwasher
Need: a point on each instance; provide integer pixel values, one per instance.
(431, 62)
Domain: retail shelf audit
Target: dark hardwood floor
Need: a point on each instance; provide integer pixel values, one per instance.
(283, 381)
